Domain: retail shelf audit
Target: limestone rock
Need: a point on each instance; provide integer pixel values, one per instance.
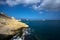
(10, 26)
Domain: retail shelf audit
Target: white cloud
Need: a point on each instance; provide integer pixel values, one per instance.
(31, 1)
(35, 7)
(44, 4)
(13, 2)
(50, 4)
(25, 2)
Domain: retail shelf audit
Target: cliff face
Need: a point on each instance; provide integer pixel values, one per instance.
(10, 26)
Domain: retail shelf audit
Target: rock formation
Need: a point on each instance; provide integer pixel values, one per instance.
(10, 26)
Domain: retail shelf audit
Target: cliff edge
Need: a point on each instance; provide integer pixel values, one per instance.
(10, 26)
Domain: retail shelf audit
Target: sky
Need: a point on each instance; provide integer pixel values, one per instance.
(31, 9)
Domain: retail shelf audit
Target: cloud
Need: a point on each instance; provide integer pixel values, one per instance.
(50, 5)
(13, 2)
(24, 2)
(53, 5)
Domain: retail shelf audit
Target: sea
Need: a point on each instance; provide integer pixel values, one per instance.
(43, 30)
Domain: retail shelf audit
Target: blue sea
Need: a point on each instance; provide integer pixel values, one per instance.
(45, 30)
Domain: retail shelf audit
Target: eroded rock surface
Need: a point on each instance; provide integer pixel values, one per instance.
(10, 26)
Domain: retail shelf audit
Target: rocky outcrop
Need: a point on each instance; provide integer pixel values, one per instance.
(10, 26)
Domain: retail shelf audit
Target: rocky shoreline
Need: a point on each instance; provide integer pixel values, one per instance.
(9, 26)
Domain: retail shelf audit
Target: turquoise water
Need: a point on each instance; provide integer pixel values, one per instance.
(45, 30)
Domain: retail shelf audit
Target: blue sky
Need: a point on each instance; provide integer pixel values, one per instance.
(30, 9)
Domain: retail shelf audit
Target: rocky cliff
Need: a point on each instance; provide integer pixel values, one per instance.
(10, 26)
